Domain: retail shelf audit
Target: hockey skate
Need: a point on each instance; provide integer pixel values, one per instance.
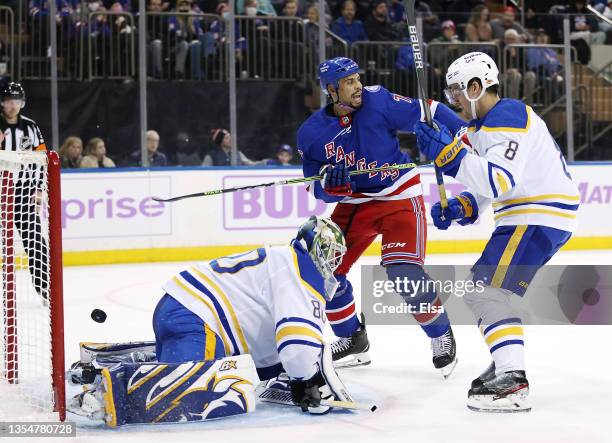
(444, 353)
(487, 375)
(507, 392)
(348, 352)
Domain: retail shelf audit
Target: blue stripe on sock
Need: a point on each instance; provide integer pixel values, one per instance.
(299, 342)
(502, 322)
(507, 343)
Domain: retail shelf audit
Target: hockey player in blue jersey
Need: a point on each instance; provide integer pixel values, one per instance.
(220, 325)
(358, 130)
(509, 159)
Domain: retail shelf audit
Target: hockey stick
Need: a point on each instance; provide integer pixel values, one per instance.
(291, 181)
(283, 397)
(419, 67)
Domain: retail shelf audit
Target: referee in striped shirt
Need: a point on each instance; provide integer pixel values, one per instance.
(19, 133)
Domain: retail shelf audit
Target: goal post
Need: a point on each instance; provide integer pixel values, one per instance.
(31, 304)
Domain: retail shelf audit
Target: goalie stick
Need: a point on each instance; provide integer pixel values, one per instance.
(419, 67)
(291, 181)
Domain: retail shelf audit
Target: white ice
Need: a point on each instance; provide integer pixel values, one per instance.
(568, 369)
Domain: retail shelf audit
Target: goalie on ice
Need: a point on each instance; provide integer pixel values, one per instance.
(221, 326)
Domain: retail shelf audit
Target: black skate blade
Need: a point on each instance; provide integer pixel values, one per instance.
(447, 370)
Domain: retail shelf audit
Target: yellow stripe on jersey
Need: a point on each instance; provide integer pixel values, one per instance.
(307, 285)
(512, 330)
(508, 129)
(537, 198)
(297, 330)
(506, 258)
(210, 346)
(503, 185)
(533, 211)
(229, 307)
(222, 332)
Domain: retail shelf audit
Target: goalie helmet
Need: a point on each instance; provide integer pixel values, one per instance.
(325, 244)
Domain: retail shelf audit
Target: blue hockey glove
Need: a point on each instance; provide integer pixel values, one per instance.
(462, 208)
(336, 179)
(438, 144)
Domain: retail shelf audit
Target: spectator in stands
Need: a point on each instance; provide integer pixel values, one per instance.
(583, 24)
(513, 77)
(378, 26)
(221, 155)
(156, 158)
(217, 28)
(459, 10)
(284, 155)
(290, 8)
(185, 32)
(263, 7)
(95, 155)
(478, 28)
(71, 153)
(347, 27)
(431, 23)
(445, 54)
(187, 152)
(547, 66)
(397, 11)
(507, 21)
(156, 35)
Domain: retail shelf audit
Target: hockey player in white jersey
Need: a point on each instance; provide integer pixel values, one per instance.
(267, 304)
(508, 158)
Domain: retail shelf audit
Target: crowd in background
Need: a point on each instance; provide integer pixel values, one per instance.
(444, 22)
(94, 155)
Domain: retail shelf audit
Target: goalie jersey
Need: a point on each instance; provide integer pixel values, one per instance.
(517, 165)
(268, 302)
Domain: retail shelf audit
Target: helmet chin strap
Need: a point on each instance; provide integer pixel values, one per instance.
(473, 101)
(342, 105)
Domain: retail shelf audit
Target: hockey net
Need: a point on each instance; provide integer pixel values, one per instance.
(31, 306)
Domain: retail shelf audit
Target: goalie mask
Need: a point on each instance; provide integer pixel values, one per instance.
(326, 246)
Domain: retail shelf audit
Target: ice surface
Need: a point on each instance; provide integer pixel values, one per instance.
(568, 368)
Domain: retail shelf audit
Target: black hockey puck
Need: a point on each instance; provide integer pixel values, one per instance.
(98, 315)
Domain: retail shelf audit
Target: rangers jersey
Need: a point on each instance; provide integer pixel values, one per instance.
(517, 165)
(268, 302)
(367, 138)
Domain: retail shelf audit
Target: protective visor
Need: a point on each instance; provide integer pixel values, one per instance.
(452, 94)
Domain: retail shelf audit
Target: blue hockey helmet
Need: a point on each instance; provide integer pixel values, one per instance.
(331, 71)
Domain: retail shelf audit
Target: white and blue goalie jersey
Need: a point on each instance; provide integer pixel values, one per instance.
(517, 165)
(268, 302)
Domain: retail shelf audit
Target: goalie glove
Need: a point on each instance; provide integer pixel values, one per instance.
(324, 385)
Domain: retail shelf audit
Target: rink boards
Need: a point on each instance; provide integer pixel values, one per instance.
(109, 216)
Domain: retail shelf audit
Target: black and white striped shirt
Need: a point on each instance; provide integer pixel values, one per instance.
(25, 135)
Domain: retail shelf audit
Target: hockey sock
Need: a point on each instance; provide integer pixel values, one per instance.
(505, 341)
(340, 310)
(425, 304)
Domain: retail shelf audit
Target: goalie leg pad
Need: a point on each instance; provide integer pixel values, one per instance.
(177, 392)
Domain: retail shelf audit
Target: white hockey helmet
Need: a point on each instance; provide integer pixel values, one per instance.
(467, 67)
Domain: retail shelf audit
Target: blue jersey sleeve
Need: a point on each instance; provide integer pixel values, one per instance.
(311, 167)
(449, 118)
(401, 112)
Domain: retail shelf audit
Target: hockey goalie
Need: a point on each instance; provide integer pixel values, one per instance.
(221, 327)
